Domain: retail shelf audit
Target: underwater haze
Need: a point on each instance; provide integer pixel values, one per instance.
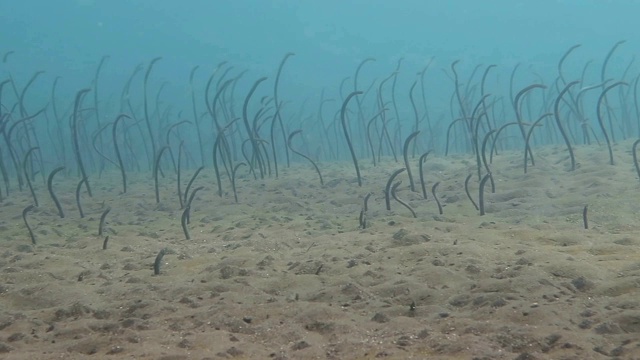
(289, 179)
(68, 39)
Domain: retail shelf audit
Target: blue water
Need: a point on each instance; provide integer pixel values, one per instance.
(68, 38)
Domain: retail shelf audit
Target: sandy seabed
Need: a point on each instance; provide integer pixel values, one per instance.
(288, 274)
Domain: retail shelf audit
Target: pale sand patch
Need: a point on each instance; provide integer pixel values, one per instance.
(287, 273)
